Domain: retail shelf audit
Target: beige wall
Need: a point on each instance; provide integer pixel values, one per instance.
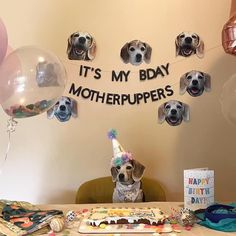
(48, 160)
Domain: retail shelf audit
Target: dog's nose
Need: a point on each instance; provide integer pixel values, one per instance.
(138, 57)
(82, 40)
(62, 107)
(195, 82)
(173, 112)
(188, 40)
(121, 177)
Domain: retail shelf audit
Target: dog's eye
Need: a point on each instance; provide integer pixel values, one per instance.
(128, 167)
(181, 36)
(179, 107)
(118, 167)
(57, 103)
(75, 35)
(67, 103)
(142, 49)
(87, 37)
(189, 77)
(200, 77)
(168, 106)
(194, 36)
(131, 49)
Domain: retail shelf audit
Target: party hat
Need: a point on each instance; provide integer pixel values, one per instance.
(120, 156)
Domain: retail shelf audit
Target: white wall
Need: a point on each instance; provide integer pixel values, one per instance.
(48, 160)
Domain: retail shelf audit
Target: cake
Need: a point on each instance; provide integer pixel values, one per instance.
(125, 215)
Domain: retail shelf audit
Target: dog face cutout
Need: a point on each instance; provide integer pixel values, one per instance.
(81, 46)
(188, 44)
(46, 75)
(64, 109)
(135, 52)
(128, 172)
(195, 83)
(173, 112)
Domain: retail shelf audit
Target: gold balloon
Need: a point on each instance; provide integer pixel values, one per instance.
(229, 36)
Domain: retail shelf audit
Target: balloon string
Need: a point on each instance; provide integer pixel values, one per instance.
(171, 63)
(11, 126)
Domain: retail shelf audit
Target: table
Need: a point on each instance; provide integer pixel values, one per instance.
(197, 230)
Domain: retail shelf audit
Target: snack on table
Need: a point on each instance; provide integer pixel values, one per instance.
(126, 215)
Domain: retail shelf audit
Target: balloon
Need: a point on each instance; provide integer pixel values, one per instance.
(229, 36)
(3, 41)
(31, 81)
(228, 100)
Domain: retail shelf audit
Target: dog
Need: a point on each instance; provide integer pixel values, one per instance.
(46, 75)
(63, 109)
(173, 112)
(188, 44)
(195, 83)
(81, 46)
(136, 52)
(127, 177)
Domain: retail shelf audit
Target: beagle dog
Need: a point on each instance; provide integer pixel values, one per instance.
(136, 52)
(173, 112)
(195, 83)
(127, 177)
(46, 75)
(63, 109)
(188, 44)
(81, 46)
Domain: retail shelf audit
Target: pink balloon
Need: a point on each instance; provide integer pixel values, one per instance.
(3, 41)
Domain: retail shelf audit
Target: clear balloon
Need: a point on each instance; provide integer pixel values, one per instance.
(3, 41)
(31, 81)
(228, 100)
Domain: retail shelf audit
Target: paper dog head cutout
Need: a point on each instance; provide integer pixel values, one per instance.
(195, 83)
(46, 75)
(188, 44)
(63, 109)
(173, 112)
(81, 46)
(135, 52)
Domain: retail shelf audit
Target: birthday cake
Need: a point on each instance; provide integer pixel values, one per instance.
(126, 215)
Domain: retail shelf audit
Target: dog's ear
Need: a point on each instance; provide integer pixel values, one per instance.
(50, 113)
(69, 45)
(207, 82)
(114, 173)
(138, 170)
(147, 56)
(161, 113)
(200, 49)
(124, 54)
(74, 107)
(182, 84)
(177, 47)
(186, 112)
(92, 50)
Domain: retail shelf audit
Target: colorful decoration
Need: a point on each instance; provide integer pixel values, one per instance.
(195, 83)
(70, 216)
(64, 109)
(189, 43)
(21, 93)
(3, 41)
(81, 46)
(229, 36)
(136, 52)
(173, 112)
(120, 156)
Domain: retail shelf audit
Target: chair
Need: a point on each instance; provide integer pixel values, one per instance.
(100, 190)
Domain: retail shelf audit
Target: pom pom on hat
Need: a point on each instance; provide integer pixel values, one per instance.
(112, 134)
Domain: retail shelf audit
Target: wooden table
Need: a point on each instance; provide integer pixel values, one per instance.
(197, 230)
